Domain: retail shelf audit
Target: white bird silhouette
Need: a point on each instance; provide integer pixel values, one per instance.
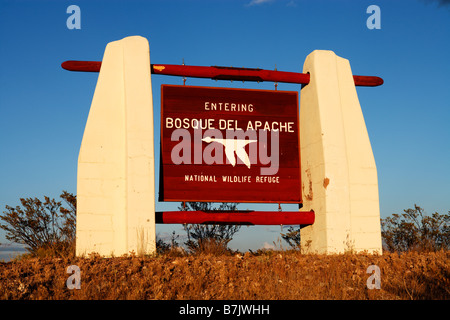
(233, 146)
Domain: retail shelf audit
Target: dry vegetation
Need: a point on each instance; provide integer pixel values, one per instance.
(415, 267)
(265, 275)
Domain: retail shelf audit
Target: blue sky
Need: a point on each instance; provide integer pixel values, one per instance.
(44, 108)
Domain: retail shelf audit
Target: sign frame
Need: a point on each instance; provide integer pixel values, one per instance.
(296, 180)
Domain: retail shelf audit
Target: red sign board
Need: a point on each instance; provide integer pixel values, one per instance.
(229, 145)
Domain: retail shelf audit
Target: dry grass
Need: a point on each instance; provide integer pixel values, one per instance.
(271, 275)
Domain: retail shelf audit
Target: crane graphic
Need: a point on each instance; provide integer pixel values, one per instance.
(233, 146)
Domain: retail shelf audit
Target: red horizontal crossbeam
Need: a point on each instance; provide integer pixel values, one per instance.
(246, 217)
(222, 73)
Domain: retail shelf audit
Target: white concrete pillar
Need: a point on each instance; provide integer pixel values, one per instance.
(116, 165)
(339, 175)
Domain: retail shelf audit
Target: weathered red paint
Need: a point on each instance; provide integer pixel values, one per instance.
(302, 218)
(222, 73)
(82, 66)
(199, 180)
(230, 73)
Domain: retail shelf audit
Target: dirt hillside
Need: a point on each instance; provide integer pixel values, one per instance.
(272, 275)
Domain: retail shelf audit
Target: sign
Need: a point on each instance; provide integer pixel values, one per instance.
(229, 145)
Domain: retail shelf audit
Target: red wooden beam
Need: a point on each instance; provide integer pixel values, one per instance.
(246, 217)
(222, 73)
(83, 66)
(230, 73)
